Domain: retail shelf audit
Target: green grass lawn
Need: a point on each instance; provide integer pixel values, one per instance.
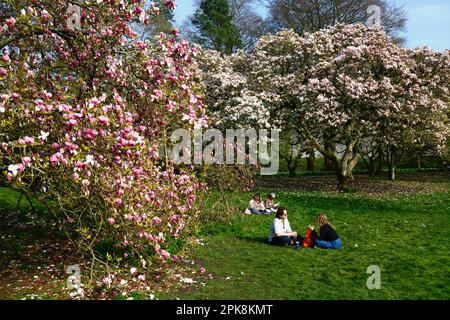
(407, 237)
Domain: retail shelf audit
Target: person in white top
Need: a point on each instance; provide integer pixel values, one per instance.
(280, 230)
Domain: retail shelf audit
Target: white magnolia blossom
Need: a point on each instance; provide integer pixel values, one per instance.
(338, 77)
(349, 81)
(14, 169)
(43, 136)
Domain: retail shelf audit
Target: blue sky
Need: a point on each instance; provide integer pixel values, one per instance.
(428, 24)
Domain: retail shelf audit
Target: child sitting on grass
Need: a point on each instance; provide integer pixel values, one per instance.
(256, 206)
(271, 206)
(327, 238)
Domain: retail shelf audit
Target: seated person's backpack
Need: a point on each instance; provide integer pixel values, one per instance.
(310, 236)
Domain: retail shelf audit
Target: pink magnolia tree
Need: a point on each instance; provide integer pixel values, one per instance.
(85, 113)
(345, 86)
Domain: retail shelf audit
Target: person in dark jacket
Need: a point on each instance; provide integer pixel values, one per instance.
(327, 238)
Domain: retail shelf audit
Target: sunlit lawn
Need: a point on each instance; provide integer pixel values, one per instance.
(407, 237)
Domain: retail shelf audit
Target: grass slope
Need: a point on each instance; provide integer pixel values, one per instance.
(407, 237)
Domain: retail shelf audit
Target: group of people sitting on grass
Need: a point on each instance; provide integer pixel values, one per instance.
(257, 206)
(281, 232)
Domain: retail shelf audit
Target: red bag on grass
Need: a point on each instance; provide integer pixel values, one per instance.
(309, 241)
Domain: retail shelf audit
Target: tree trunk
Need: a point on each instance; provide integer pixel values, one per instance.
(292, 172)
(372, 169)
(369, 165)
(392, 172)
(345, 179)
(380, 159)
(390, 155)
(419, 164)
(345, 167)
(311, 162)
(292, 168)
(328, 163)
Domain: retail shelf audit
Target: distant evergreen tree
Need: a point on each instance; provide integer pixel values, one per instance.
(213, 27)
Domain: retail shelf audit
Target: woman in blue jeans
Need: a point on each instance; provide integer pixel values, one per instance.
(328, 238)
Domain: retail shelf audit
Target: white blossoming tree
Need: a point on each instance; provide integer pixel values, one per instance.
(347, 84)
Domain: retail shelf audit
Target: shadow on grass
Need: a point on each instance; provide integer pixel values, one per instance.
(402, 205)
(256, 239)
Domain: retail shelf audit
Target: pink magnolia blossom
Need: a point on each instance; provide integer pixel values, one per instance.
(11, 21)
(72, 122)
(154, 8)
(170, 4)
(103, 120)
(138, 10)
(156, 220)
(98, 117)
(108, 279)
(171, 106)
(175, 219)
(55, 158)
(165, 254)
(26, 161)
(45, 14)
(141, 277)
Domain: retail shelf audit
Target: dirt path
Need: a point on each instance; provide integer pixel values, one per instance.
(406, 183)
